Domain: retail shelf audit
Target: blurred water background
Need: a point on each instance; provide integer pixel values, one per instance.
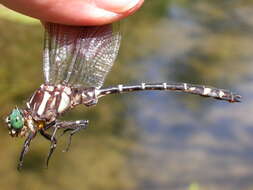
(148, 140)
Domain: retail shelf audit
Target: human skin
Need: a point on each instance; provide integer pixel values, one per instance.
(75, 12)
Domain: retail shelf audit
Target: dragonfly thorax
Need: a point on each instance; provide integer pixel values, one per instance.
(49, 101)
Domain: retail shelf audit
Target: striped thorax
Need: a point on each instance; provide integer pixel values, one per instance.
(49, 101)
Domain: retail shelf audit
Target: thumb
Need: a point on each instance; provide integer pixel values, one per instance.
(76, 12)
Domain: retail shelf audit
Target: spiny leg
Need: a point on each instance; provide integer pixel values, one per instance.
(74, 127)
(53, 141)
(48, 126)
(25, 149)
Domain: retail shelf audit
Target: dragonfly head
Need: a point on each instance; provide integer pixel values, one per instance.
(15, 122)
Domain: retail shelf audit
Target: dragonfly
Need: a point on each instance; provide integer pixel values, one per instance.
(76, 61)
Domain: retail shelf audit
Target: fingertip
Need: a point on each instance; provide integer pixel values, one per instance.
(78, 12)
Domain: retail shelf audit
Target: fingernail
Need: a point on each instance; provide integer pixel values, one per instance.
(117, 6)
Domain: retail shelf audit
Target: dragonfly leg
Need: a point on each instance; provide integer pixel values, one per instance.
(73, 127)
(53, 141)
(48, 126)
(25, 149)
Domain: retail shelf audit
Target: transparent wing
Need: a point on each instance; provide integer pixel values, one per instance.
(79, 55)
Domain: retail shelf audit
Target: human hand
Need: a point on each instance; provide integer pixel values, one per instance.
(75, 12)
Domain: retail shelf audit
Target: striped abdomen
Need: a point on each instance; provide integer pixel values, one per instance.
(49, 101)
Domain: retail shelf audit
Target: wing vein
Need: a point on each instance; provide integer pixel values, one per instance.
(79, 55)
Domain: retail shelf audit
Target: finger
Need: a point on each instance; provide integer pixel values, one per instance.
(76, 12)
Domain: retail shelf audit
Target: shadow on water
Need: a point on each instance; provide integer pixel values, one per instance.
(149, 140)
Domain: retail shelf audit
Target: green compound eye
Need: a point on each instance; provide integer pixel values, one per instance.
(16, 119)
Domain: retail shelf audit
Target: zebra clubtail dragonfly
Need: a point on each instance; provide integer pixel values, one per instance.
(76, 60)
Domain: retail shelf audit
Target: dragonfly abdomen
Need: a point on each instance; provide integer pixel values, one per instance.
(180, 87)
